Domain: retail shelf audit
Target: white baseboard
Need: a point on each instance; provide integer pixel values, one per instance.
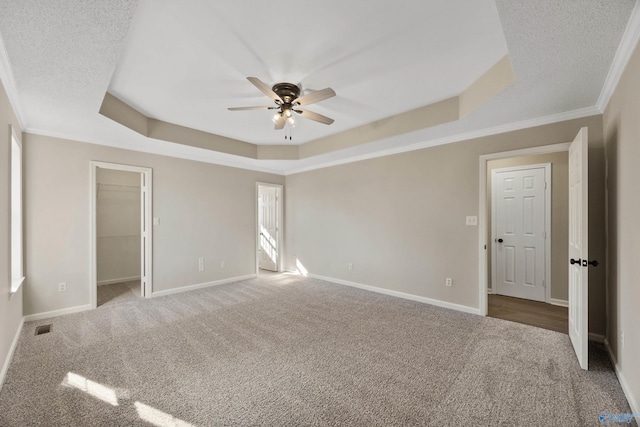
(56, 313)
(202, 285)
(12, 348)
(397, 294)
(560, 302)
(633, 402)
(596, 338)
(121, 280)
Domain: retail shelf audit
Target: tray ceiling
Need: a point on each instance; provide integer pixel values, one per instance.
(185, 62)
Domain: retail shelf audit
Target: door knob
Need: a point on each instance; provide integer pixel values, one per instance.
(584, 262)
(499, 240)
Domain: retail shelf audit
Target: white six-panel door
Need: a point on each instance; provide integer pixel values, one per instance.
(519, 220)
(268, 228)
(579, 247)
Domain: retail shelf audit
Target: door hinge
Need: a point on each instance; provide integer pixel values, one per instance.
(544, 283)
(545, 235)
(545, 185)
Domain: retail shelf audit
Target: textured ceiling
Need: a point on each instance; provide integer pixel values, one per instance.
(380, 56)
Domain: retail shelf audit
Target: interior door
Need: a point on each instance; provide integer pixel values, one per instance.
(519, 229)
(268, 228)
(579, 247)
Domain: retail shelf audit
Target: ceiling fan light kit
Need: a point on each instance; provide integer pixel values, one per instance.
(288, 100)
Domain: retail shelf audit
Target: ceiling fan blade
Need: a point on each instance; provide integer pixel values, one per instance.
(315, 97)
(265, 89)
(280, 123)
(250, 108)
(315, 116)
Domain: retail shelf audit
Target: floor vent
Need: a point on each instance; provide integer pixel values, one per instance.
(44, 329)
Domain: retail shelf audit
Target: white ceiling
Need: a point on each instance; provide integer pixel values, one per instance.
(184, 62)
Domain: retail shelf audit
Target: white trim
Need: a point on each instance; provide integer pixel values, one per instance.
(599, 338)
(191, 153)
(633, 402)
(147, 176)
(9, 82)
(280, 214)
(496, 130)
(201, 285)
(120, 280)
(159, 147)
(12, 349)
(625, 49)
(547, 222)
(17, 248)
(483, 287)
(15, 285)
(559, 302)
(56, 313)
(424, 300)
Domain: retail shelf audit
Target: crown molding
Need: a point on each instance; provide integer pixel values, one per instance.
(510, 127)
(9, 83)
(189, 153)
(178, 151)
(621, 59)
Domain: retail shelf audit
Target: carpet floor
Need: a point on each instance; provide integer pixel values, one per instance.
(284, 350)
(117, 293)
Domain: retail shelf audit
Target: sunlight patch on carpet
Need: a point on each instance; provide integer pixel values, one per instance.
(159, 418)
(92, 388)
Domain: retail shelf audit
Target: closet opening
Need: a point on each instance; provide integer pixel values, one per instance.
(121, 233)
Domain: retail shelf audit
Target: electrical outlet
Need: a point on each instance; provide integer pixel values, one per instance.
(622, 339)
(350, 266)
(448, 282)
(201, 264)
(223, 264)
(472, 220)
(62, 287)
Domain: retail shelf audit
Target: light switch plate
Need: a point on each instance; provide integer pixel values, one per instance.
(156, 221)
(472, 220)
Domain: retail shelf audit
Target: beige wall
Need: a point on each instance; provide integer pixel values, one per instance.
(10, 305)
(622, 138)
(118, 225)
(559, 215)
(401, 219)
(205, 210)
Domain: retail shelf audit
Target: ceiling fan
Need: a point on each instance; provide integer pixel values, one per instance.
(287, 98)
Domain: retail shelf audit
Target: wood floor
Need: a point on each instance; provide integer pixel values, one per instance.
(532, 313)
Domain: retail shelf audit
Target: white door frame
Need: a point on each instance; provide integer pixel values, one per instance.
(280, 196)
(547, 224)
(148, 220)
(483, 289)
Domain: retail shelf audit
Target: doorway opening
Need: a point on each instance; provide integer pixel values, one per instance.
(269, 229)
(526, 202)
(120, 233)
(526, 232)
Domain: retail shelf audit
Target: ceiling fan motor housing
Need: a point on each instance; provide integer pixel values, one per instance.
(288, 92)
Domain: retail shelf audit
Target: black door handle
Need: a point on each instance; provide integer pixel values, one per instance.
(584, 262)
(500, 240)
